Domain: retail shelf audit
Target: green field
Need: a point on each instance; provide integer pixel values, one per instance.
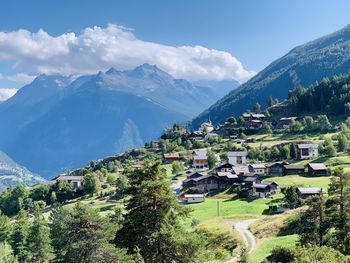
(299, 180)
(266, 245)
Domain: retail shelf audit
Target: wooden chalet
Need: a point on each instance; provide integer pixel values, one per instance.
(317, 169)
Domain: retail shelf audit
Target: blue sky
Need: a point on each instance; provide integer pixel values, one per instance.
(254, 32)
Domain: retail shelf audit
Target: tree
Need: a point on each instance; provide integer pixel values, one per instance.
(80, 234)
(343, 142)
(11, 201)
(152, 220)
(329, 149)
(309, 123)
(290, 195)
(271, 101)
(20, 235)
(295, 126)
(338, 208)
(53, 198)
(257, 108)
(266, 128)
(323, 123)
(232, 120)
(64, 191)
(111, 178)
(39, 242)
(293, 151)
(5, 228)
(285, 152)
(177, 167)
(121, 185)
(6, 254)
(211, 159)
(313, 223)
(91, 184)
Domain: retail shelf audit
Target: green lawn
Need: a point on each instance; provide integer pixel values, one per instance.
(266, 245)
(208, 210)
(297, 180)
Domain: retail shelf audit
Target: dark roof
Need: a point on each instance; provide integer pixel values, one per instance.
(225, 164)
(250, 179)
(276, 163)
(317, 166)
(293, 167)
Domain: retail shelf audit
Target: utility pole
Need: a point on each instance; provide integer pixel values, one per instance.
(218, 207)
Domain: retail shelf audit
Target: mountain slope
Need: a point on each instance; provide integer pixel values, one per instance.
(303, 65)
(12, 174)
(56, 123)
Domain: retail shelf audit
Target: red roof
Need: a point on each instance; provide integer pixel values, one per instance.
(171, 155)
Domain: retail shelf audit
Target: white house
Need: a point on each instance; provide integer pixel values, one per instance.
(208, 126)
(237, 158)
(258, 168)
(76, 181)
(307, 151)
(194, 198)
(200, 159)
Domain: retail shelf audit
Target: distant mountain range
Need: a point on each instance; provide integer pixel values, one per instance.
(58, 123)
(304, 65)
(12, 174)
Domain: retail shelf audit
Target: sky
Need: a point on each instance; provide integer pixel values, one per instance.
(191, 39)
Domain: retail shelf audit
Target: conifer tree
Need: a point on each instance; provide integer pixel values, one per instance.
(19, 238)
(5, 228)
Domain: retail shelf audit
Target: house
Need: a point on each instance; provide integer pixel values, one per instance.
(202, 184)
(196, 136)
(224, 167)
(263, 189)
(194, 198)
(227, 179)
(317, 169)
(253, 116)
(237, 157)
(194, 175)
(200, 158)
(285, 122)
(154, 144)
(293, 169)
(241, 170)
(76, 181)
(305, 192)
(170, 157)
(307, 151)
(258, 168)
(206, 126)
(254, 124)
(276, 169)
(248, 181)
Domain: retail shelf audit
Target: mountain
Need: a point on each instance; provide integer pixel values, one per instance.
(58, 123)
(303, 65)
(12, 174)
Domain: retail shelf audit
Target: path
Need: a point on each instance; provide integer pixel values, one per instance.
(248, 238)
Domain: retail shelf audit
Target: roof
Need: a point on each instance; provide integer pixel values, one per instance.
(257, 165)
(250, 178)
(293, 167)
(194, 196)
(307, 145)
(288, 118)
(310, 190)
(268, 183)
(276, 163)
(240, 169)
(237, 153)
(258, 115)
(318, 166)
(227, 174)
(262, 186)
(70, 177)
(224, 164)
(171, 155)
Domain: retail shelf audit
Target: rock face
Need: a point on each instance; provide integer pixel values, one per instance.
(59, 123)
(304, 65)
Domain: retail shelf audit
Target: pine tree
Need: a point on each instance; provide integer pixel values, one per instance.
(152, 219)
(338, 208)
(343, 142)
(257, 108)
(39, 241)
(5, 228)
(19, 236)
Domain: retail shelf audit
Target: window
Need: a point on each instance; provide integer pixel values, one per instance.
(304, 151)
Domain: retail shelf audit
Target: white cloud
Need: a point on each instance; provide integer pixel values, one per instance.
(100, 48)
(5, 93)
(20, 77)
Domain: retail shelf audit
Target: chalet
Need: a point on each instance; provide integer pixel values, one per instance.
(317, 169)
(224, 167)
(276, 169)
(258, 168)
(170, 157)
(206, 126)
(76, 181)
(237, 157)
(194, 198)
(305, 192)
(263, 189)
(196, 136)
(307, 151)
(285, 122)
(293, 169)
(254, 124)
(194, 175)
(154, 144)
(200, 158)
(227, 179)
(248, 181)
(253, 116)
(205, 183)
(241, 170)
